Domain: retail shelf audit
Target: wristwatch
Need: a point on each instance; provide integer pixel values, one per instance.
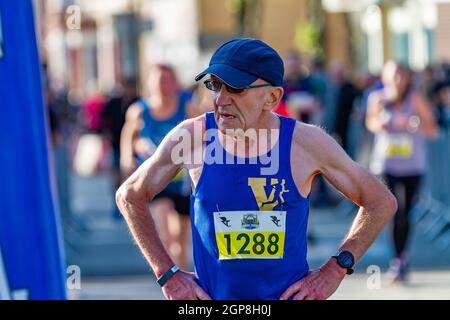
(346, 260)
(167, 275)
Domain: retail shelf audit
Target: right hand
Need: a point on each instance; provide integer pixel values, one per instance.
(182, 286)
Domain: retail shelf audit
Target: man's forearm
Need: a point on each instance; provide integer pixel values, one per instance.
(143, 229)
(367, 225)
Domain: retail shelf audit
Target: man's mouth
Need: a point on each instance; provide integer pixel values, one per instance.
(226, 116)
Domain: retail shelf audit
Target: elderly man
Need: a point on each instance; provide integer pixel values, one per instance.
(249, 219)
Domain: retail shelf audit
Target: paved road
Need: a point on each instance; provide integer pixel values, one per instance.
(422, 285)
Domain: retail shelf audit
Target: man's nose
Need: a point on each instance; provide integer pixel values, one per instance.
(222, 97)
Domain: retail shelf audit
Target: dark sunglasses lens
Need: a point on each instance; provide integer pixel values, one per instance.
(213, 85)
(234, 90)
(217, 85)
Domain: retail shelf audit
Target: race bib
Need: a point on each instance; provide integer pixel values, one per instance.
(399, 146)
(250, 234)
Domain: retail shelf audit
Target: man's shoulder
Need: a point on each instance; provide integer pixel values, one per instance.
(311, 139)
(305, 133)
(188, 136)
(193, 124)
(190, 130)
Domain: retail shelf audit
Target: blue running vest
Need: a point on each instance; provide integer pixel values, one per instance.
(248, 229)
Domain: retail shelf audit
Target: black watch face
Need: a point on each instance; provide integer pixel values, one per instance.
(346, 259)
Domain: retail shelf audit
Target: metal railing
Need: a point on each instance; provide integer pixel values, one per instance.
(431, 214)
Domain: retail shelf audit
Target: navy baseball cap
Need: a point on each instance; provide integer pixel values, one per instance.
(239, 62)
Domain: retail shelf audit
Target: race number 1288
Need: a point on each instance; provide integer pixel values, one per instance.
(250, 244)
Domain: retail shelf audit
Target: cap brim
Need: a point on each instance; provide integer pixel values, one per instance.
(231, 76)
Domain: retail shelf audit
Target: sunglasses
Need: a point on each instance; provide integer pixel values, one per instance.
(216, 86)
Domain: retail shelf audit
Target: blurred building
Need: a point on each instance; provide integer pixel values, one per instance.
(415, 32)
(95, 43)
(357, 34)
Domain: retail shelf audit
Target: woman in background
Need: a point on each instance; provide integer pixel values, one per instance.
(401, 118)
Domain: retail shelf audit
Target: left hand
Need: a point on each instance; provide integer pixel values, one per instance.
(319, 284)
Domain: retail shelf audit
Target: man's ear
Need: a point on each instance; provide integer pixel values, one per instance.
(273, 98)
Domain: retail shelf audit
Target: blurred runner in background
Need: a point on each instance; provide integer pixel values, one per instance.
(401, 118)
(147, 123)
(113, 120)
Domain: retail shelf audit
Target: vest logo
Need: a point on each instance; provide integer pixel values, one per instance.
(275, 220)
(250, 221)
(267, 202)
(225, 221)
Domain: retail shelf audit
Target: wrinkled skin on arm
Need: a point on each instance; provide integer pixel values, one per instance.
(314, 152)
(132, 199)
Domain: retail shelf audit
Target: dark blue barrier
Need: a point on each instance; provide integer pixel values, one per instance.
(31, 256)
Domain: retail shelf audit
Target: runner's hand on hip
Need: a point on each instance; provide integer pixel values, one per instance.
(182, 286)
(319, 284)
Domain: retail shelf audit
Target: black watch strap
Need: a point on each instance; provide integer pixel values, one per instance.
(349, 270)
(342, 258)
(167, 275)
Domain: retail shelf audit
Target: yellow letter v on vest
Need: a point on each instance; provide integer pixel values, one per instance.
(267, 203)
